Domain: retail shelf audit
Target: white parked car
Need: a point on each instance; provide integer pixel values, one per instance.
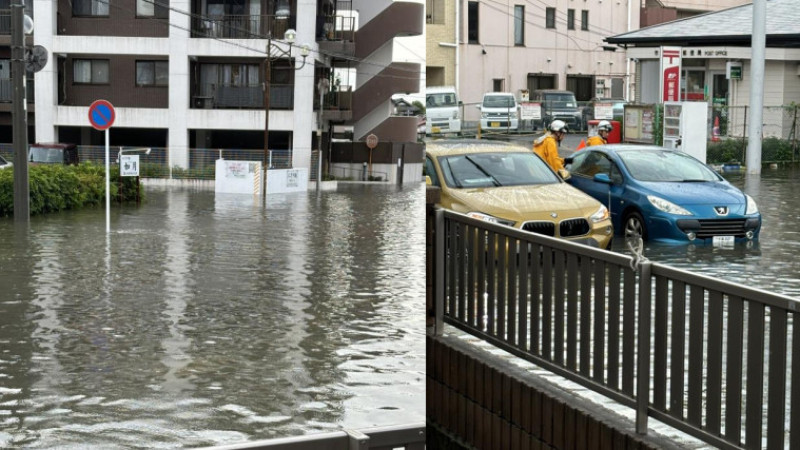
(499, 111)
(4, 164)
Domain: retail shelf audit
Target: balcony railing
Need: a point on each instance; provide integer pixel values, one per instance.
(241, 26)
(228, 96)
(7, 90)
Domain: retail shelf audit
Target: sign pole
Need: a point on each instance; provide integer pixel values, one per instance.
(101, 116)
(108, 190)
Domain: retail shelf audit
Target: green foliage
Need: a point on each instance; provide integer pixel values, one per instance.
(57, 188)
(775, 150)
(419, 106)
(725, 151)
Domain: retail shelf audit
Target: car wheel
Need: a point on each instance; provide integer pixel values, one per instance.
(634, 226)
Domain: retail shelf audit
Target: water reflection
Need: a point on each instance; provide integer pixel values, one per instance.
(768, 264)
(205, 319)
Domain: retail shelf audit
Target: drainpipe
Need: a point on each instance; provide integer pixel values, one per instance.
(458, 45)
(628, 61)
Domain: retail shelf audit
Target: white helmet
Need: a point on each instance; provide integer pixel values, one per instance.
(558, 126)
(604, 125)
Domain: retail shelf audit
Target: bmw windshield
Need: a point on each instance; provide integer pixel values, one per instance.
(482, 170)
(666, 166)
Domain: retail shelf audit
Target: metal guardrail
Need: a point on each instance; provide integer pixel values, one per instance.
(408, 437)
(711, 358)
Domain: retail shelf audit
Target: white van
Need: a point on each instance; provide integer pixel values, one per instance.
(499, 111)
(442, 110)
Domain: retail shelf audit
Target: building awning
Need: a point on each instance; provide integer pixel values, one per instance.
(731, 27)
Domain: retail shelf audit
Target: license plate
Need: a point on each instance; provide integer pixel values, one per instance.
(494, 124)
(722, 241)
(436, 130)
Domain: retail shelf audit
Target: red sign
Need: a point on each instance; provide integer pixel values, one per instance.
(670, 74)
(101, 114)
(372, 141)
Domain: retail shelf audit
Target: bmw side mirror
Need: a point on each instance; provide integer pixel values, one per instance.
(602, 178)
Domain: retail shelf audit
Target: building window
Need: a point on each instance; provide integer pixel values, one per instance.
(90, 71)
(434, 11)
(152, 73)
(90, 7)
(152, 8)
(472, 23)
(550, 17)
(585, 20)
(570, 19)
(519, 25)
(497, 85)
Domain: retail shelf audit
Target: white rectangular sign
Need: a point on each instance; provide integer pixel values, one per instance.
(530, 111)
(129, 165)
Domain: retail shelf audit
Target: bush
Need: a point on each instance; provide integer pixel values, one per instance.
(725, 151)
(57, 188)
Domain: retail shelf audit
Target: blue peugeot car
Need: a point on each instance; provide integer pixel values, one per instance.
(664, 195)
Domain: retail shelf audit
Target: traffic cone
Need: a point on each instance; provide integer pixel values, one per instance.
(581, 145)
(715, 130)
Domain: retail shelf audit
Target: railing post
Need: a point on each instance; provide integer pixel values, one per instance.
(438, 270)
(643, 347)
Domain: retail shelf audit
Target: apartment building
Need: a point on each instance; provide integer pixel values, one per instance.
(189, 75)
(513, 46)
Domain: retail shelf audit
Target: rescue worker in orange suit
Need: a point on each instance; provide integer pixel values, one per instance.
(601, 138)
(547, 146)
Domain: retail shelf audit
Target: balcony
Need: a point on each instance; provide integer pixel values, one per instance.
(7, 90)
(338, 105)
(241, 26)
(229, 96)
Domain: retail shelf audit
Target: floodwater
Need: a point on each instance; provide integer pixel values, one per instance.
(205, 319)
(771, 263)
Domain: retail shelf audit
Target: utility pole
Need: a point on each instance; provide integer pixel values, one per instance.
(22, 210)
(753, 158)
(267, 84)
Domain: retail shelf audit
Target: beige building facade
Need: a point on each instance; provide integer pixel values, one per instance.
(514, 46)
(441, 42)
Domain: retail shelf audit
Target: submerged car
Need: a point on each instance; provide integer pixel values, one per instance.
(510, 185)
(664, 195)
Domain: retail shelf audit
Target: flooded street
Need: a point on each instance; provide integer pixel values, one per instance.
(205, 320)
(771, 263)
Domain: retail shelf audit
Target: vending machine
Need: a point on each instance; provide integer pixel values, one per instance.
(686, 127)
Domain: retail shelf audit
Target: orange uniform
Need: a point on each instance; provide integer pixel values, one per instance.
(596, 140)
(547, 148)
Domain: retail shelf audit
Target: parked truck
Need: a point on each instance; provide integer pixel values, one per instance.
(442, 110)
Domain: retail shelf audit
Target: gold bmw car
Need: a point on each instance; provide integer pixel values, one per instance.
(510, 185)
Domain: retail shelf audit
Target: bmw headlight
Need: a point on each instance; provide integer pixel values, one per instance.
(488, 218)
(752, 208)
(600, 215)
(667, 206)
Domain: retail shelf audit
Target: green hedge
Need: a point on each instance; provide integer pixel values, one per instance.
(734, 150)
(56, 187)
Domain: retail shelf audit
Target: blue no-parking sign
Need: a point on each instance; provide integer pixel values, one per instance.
(101, 114)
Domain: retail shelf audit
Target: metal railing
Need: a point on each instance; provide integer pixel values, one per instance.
(711, 358)
(225, 96)
(231, 26)
(202, 161)
(408, 437)
(7, 90)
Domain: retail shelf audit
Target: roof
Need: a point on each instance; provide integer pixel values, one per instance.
(731, 27)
